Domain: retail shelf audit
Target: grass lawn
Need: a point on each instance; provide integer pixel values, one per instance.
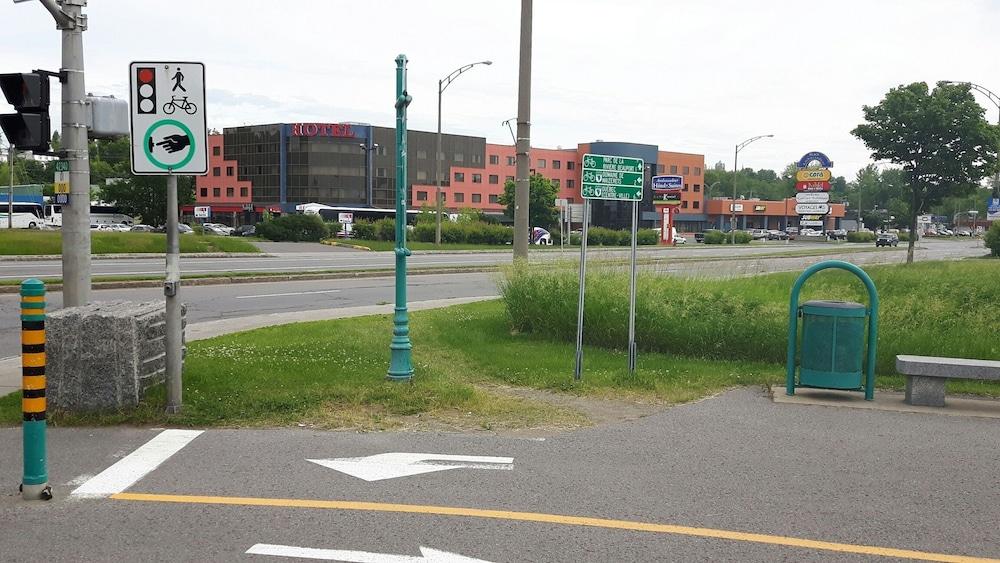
(331, 374)
(24, 242)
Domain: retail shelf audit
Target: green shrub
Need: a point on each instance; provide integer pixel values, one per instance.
(295, 228)
(992, 239)
(363, 230)
(861, 236)
(904, 237)
(647, 237)
(385, 229)
(716, 237)
(334, 228)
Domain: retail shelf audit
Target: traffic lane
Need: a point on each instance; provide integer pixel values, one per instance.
(210, 302)
(735, 462)
(74, 531)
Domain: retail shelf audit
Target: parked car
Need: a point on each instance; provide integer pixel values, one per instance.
(758, 234)
(777, 235)
(792, 230)
(184, 229)
(811, 233)
(837, 234)
(217, 229)
(541, 236)
(245, 231)
(964, 232)
(142, 229)
(678, 239)
(120, 227)
(886, 239)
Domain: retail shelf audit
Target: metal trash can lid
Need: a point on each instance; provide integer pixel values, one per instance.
(826, 308)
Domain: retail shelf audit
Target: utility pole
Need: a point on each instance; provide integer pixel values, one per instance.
(522, 185)
(76, 214)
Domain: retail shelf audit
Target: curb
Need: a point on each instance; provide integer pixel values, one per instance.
(7, 289)
(137, 256)
(344, 245)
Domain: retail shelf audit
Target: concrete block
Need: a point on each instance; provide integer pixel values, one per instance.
(926, 391)
(104, 355)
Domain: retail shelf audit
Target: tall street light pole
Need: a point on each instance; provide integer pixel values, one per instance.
(401, 349)
(522, 145)
(995, 98)
(442, 85)
(370, 195)
(736, 173)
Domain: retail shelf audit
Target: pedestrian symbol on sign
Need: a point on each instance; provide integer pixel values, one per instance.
(178, 78)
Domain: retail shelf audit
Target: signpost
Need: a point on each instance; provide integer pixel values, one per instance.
(812, 201)
(614, 178)
(169, 131)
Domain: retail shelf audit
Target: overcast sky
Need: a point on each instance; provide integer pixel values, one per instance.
(689, 76)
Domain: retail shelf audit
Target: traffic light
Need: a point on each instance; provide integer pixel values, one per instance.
(145, 80)
(29, 128)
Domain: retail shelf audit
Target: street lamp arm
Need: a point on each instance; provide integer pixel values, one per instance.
(740, 146)
(447, 80)
(981, 89)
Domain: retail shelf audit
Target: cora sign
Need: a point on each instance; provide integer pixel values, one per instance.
(322, 130)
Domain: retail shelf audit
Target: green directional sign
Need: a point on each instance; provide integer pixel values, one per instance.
(611, 177)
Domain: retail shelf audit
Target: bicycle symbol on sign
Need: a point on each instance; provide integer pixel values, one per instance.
(176, 103)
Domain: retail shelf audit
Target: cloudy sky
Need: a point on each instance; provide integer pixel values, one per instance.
(690, 76)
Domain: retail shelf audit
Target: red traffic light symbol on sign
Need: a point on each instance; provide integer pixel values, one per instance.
(145, 82)
(812, 186)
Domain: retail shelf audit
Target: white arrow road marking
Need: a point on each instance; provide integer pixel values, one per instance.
(400, 464)
(427, 555)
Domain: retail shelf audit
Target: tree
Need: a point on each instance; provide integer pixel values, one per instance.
(145, 197)
(940, 139)
(542, 211)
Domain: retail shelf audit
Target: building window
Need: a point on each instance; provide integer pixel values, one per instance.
(508, 179)
(421, 175)
(459, 176)
(216, 151)
(684, 205)
(229, 171)
(477, 159)
(459, 198)
(477, 198)
(244, 192)
(570, 184)
(697, 204)
(216, 192)
(421, 154)
(494, 159)
(380, 172)
(685, 188)
(459, 157)
(673, 168)
(659, 168)
(511, 160)
(697, 187)
(570, 165)
(477, 178)
(541, 163)
(556, 164)
(494, 179)
(697, 171)
(421, 196)
(494, 198)
(555, 183)
(230, 192)
(687, 170)
(204, 192)
(216, 171)
(444, 196)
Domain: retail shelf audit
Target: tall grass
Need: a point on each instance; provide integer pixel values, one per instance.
(22, 242)
(931, 308)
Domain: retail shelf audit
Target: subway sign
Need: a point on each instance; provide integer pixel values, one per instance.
(323, 130)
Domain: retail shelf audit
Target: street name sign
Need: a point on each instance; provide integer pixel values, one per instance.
(812, 197)
(167, 116)
(671, 182)
(611, 177)
(812, 208)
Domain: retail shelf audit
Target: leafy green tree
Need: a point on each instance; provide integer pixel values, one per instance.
(940, 139)
(145, 197)
(542, 210)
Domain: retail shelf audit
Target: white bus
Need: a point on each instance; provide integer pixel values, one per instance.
(100, 214)
(26, 215)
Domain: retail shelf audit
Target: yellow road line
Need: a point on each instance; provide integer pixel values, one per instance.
(560, 519)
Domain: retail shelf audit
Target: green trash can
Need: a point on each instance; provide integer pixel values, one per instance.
(833, 334)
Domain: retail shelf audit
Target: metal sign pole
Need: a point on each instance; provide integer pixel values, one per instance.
(171, 287)
(631, 302)
(578, 368)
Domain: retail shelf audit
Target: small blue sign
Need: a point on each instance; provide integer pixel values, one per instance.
(814, 156)
(668, 182)
(993, 205)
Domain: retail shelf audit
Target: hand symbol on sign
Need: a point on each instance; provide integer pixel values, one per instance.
(174, 143)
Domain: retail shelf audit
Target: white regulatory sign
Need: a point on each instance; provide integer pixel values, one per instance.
(202, 212)
(812, 208)
(167, 111)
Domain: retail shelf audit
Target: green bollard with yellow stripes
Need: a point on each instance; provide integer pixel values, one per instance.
(35, 484)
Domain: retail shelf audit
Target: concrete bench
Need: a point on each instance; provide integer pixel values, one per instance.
(926, 376)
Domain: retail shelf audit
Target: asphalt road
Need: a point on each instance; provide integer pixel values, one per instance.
(315, 257)
(731, 478)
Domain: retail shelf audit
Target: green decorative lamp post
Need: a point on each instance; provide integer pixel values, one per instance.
(400, 364)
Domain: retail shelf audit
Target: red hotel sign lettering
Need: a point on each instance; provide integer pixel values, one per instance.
(322, 129)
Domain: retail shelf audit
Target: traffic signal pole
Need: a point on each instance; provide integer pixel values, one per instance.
(76, 214)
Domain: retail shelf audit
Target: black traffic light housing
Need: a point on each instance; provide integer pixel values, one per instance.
(28, 129)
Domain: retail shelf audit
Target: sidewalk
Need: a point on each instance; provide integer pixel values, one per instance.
(10, 368)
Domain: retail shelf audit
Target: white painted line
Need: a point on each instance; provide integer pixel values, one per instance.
(427, 555)
(136, 465)
(287, 294)
(401, 464)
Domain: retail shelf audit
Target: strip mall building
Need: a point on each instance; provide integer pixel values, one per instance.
(258, 168)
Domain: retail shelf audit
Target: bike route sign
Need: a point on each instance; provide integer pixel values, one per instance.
(167, 115)
(611, 177)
